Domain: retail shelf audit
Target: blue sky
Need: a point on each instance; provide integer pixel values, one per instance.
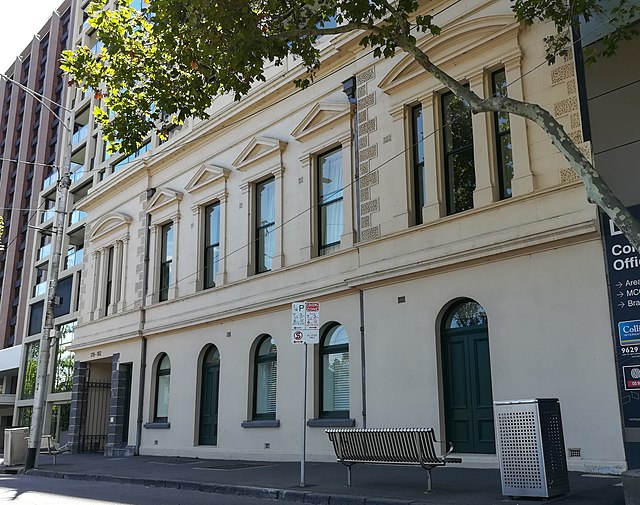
(19, 22)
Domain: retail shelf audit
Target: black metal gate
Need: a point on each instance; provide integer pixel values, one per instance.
(95, 417)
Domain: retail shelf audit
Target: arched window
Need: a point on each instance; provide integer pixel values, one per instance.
(163, 376)
(465, 314)
(334, 373)
(265, 379)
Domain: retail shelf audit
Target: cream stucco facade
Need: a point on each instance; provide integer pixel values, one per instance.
(533, 261)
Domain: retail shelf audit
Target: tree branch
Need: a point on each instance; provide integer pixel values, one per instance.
(597, 189)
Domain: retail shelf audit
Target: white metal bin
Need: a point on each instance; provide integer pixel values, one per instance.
(530, 445)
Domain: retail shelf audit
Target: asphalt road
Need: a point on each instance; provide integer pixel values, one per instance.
(28, 490)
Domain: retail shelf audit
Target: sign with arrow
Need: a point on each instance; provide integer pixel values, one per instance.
(623, 265)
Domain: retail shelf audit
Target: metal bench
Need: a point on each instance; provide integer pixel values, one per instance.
(47, 446)
(389, 446)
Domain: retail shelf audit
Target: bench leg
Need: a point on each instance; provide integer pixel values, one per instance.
(348, 475)
(429, 480)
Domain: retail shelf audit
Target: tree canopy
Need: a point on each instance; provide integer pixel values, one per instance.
(167, 61)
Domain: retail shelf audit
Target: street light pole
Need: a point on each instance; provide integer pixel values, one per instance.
(47, 340)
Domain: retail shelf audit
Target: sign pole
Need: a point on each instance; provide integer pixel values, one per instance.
(304, 420)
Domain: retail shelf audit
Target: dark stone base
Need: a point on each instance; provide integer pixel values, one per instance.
(119, 451)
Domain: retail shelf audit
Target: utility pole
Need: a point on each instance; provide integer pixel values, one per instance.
(47, 340)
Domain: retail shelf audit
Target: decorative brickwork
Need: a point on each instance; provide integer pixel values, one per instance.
(368, 100)
(564, 107)
(575, 121)
(562, 73)
(368, 127)
(369, 180)
(568, 175)
(576, 136)
(367, 150)
(365, 76)
(370, 233)
(370, 206)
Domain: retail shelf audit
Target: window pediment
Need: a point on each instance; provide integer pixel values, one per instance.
(162, 199)
(109, 225)
(322, 115)
(206, 176)
(258, 149)
(455, 40)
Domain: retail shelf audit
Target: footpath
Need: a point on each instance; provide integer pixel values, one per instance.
(325, 482)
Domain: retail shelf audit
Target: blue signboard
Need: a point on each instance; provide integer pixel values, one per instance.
(629, 332)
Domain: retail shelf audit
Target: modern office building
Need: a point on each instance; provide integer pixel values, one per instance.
(29, 143)
(455, 259)
(612, 87)
(90, 164)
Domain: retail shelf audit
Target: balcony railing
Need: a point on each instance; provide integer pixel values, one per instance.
(97, 47)
(80, 135)
(77, 216)
(44, 251)
(48, 214)
(77, 172)
(51, 179)
(40, 288)
(74, 257)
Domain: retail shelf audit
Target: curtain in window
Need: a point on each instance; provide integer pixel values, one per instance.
(266, 378)
(334, 353)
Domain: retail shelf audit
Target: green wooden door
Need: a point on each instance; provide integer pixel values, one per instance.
(468, 399)
(209, 399)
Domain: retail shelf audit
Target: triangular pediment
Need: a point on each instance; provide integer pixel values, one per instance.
(454, 40)
(322, 115)
(258, 149)
(163, 198)
(109, 224)
(206, 176)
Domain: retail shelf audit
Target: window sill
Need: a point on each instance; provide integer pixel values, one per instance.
(261, 423)
(331, 423)
(157, 426)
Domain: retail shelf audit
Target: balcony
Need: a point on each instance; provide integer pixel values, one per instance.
(44, 251)
(97, 47)
(80, 134)
(74, 257)
(48, 214)
(77, 172)
(50, 180)
(76, 217)
(40, 288)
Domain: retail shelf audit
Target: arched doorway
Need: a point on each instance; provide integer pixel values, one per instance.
(466, 370)
(208, 433)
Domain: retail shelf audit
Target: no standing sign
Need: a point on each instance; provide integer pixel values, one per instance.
(305, 322)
